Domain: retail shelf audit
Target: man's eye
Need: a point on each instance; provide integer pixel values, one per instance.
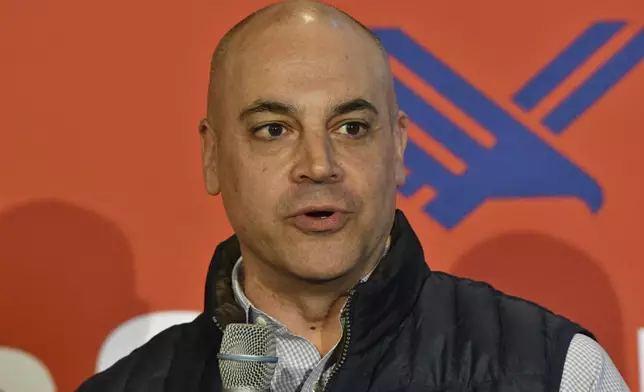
(354, 129)
(269, 131)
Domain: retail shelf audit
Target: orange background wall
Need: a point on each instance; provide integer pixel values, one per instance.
(103, 215)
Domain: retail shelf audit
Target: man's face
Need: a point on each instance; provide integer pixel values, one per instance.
(308, 153)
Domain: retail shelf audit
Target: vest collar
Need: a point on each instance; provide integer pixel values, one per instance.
(382, 303)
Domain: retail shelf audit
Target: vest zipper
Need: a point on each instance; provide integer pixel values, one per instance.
(217, 324)
(347, 339)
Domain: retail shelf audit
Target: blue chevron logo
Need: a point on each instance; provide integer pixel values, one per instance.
(520, 164)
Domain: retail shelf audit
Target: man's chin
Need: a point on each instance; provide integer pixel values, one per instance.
(321, 280)
(316, 276)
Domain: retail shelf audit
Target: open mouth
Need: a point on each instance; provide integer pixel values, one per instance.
(319, 214)
(320, 221)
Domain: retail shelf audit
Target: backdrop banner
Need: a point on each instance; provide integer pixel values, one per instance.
(525, 165)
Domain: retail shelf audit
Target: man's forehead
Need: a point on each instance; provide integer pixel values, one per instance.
(297, 67)
(307, 85)
(300, 66)
(302, 61)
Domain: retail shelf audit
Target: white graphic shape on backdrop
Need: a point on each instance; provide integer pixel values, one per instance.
(22, 372)
(640, 349)
(137, 331)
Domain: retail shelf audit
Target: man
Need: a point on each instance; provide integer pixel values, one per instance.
(305, 143)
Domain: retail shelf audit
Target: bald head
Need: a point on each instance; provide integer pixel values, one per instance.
(302, 113)
(290, 9)
(297, 17)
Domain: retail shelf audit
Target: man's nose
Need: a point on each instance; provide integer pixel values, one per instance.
(316, 160)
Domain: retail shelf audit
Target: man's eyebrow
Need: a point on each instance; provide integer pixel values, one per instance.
(354, 105)
(261, 106)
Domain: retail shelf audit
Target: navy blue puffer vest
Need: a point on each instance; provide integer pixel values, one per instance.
(407, 329)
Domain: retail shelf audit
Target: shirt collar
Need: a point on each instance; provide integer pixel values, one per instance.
(238, 291)
(252, 312)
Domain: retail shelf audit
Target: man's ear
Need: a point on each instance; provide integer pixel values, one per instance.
(400, 140)
(209, 157)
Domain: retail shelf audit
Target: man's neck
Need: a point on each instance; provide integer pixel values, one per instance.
(309, 310)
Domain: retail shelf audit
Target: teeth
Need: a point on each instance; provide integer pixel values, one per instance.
(320, 214)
